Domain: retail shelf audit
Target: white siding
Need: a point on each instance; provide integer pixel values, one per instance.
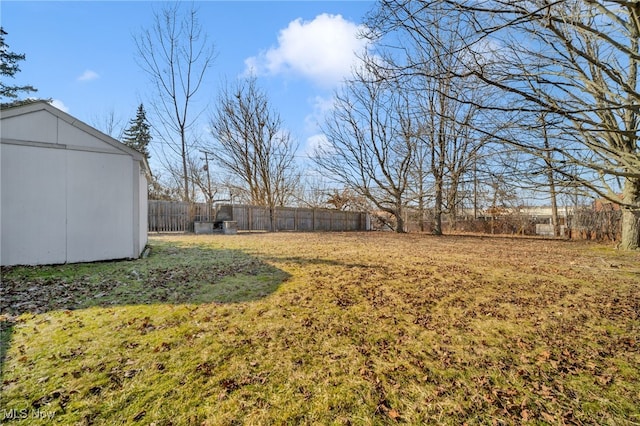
(68, 134)
(68, 193)
(143, 212)
(39, 126)
(33, 205)
(99, 206)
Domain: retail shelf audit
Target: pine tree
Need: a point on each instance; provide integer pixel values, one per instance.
(9, 68)
(137, 135)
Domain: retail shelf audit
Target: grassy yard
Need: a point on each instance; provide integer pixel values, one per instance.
(355, 328)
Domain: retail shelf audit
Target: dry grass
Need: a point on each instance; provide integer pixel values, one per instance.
(330, 329)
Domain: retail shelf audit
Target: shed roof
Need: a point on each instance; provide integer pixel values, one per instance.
(43, 105)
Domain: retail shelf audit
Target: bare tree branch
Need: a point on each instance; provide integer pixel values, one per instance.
(251, 144)
(176, 55)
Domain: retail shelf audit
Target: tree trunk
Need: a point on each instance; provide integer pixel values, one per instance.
(630, 229)
(452, 195)
(421, 195)
(453, 220)
(555, 223)
(399, 215)
(421, 211)
(272, 219)
(185, 170)
(399, 223)
(631, 216)
(550, 178)
(437, 219)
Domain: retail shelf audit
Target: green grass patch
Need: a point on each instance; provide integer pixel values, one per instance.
(176, 272)
(327, 329)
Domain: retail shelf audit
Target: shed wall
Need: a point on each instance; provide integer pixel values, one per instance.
(65, 206)
(33, 223)
(66, 194)
(99, 206)
(23, 127)
(143, 211)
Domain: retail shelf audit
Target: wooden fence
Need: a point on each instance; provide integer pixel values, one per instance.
(253, 218)
(175, 216)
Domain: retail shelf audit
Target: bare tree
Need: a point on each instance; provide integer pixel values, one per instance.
(252, 146)
(547, 169)
(176, 54)
(345, 199)
(575, 61)
(109, 123)
(445, 104)
(201, 184)
(584, 74)
(531, 165)
(447, 135)
(420, 189)
(161, 189)
(372, 138)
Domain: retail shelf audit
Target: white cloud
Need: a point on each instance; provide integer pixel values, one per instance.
(60, 105)
(315, 143)
(322, 106)
(88, 75)
(322, 50)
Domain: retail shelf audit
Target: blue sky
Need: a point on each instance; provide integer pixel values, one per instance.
(82, 53)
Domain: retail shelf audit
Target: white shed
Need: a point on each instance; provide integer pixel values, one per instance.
(69, 193)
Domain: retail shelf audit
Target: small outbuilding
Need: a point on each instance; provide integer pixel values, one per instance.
(69, 193)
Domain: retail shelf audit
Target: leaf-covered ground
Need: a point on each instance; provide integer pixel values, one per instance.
(362, 328)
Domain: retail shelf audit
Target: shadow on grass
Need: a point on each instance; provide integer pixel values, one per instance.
(170, 275)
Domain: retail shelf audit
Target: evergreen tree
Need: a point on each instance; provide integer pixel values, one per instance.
(9, 68)
(137, 135)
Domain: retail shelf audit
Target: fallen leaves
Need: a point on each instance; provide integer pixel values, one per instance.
(383, 328)
(394, 415)
(139, 416)
(180, 279)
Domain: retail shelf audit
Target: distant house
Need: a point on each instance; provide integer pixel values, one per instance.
(69, 193)
(604, 205)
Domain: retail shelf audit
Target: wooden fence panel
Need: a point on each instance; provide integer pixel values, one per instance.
(175, 216)
(285, 219)
(305, 220)
(241, 216)
(259, 218)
